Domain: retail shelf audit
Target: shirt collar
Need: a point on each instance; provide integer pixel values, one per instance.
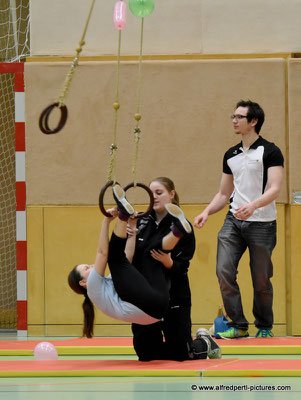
(255, 144)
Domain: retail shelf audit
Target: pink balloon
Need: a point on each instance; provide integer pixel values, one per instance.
(45, 351)
(119, 15)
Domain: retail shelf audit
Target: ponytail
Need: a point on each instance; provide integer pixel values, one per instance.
(176, 199)
(89, 315)
(74, 278)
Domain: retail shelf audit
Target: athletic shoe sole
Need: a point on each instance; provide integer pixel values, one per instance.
(178, 214)
(215, 351)
(219, 335)
(123, 205)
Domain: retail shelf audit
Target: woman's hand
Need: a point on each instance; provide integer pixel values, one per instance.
(164, 258)
(131, 228)
(113, 212)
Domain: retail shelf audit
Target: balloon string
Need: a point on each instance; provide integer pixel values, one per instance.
(118, 67)
(137, 131)
(140, 69)
(68, 79)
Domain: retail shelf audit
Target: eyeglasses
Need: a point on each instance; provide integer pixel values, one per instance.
(238, 117)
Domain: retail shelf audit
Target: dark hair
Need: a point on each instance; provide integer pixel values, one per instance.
(254, 112)
(169, 185)
(74, 278)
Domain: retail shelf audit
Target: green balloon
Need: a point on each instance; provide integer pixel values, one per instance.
(142, 8)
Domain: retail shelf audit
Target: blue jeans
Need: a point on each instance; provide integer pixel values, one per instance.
(234, 238)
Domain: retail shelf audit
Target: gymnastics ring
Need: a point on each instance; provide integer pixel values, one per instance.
(130, 185)
(101, 196)
(151, 197)
(43, 121)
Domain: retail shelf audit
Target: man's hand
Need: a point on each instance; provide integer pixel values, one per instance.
(244, 212)
(200, 220)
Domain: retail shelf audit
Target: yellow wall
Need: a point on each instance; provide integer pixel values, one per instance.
(293, 274)
(60, 237)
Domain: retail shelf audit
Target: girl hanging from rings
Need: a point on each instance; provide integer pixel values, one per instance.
(125, 294)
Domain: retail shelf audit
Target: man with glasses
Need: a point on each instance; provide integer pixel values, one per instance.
(251, 181)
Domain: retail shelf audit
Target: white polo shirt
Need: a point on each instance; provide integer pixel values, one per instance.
(249, 169)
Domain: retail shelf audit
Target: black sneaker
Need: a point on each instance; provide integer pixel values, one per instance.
(178, 217)
(215, 350)
(123, 205)
(200, 348)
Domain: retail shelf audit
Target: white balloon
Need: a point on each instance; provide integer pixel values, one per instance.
(45, 351)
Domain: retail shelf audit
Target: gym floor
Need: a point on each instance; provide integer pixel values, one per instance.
(144, 388)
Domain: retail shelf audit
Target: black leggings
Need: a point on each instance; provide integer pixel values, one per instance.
(150, 294)
(178, 344)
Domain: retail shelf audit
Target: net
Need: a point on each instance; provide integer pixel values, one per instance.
(14, 46)
(8, 295)
(14, 30)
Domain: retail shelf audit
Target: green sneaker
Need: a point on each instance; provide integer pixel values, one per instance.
(264, 333)
(232, 333)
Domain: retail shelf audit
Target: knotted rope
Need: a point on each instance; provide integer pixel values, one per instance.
(116, 105)
(67, 82)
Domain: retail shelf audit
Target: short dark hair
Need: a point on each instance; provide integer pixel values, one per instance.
(254, 112)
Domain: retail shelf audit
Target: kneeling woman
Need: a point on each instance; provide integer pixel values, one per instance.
(127, 295)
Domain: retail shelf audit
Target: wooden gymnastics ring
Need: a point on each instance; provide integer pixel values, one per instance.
(151, 197)
(101, 196)
(43, 121)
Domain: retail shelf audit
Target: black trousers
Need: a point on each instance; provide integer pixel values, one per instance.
(150, 294)
(176, 330)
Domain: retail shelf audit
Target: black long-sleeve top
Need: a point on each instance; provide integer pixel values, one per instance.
(150, 233)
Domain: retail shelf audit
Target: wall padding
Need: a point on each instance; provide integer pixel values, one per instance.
(186, 127)
(294, 103)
